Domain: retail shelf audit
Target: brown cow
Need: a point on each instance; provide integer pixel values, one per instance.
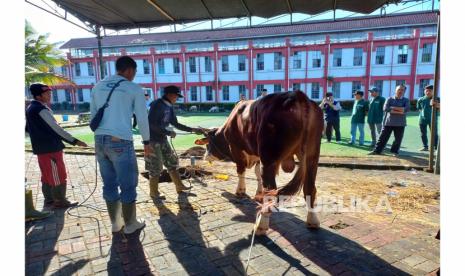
(271, 131)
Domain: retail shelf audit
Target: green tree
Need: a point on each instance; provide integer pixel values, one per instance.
(40, 59)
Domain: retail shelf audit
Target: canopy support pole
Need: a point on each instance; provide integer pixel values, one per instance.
(434, 98)
(100, 55)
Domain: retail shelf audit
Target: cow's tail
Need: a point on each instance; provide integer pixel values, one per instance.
(301, 175)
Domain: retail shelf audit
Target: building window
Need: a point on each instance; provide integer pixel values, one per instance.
(315, 90)
(146, 66)
(192, 66)
(379, 85)
(90, 69)
(225, 90)
(224, 64)
(105, 68)
(337, 57)
(160, 91)
(208, 64)
(260, 88)
(77, 69)
(242, 89)
(278, 61)
(358, 56)
(356, 85)
(176, 65)
(316, 59)
(193, 93)
(297, 60)
(241, 63)
(426, 53)
(260, 62)
(423, 84)
(336, 90)
(402, 54)
(80, 95)
(209, 93)
(55, 95)
(277, 88)
(68, 95)
(161, 66)
(295, 86)
(380, 55)
(63, 70)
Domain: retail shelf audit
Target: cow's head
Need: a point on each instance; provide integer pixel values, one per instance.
(217, 147)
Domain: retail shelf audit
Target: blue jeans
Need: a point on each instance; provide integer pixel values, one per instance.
(353, 132)
(118, 168)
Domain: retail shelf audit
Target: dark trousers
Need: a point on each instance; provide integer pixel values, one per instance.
(386, 134)
(329, 130)
(424, 135)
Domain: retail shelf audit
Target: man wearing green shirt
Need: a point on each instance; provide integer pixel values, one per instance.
(424, 119)
(375, 114)
(359, 111)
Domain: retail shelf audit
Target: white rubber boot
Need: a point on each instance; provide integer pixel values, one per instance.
(116, 217)
(132, 223)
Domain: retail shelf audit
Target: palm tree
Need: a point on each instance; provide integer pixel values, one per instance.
(40, 59)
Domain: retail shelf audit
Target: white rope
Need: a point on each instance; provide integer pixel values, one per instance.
(257, 222)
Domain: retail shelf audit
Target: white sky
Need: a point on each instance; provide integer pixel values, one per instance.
(61, 31)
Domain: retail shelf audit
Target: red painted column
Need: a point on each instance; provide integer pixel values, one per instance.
(413, 70)
(154, 79)
(94, 63)
(369, 49)
(251, 86)
(325, 74)
(184, 80)
(200, 82)
(286, 65)
(215, 68)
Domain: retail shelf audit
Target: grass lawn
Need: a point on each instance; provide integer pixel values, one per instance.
(410, 144)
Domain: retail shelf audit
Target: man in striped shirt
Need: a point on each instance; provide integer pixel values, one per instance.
(46, 139)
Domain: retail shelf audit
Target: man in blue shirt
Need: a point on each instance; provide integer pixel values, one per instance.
(114, 146)
(395, 121)
(331, 109)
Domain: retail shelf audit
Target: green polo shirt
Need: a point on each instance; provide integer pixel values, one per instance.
(358, 111)
(375, 110)
(425, 109)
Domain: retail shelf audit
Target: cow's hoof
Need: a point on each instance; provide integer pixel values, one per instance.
(312, 221)
(259, 197)
(241, 193)
(313, 226)
(260, 232)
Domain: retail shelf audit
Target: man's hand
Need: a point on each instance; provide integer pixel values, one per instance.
(81, 144)
(197, 131)
(172, 134)
(147, 150)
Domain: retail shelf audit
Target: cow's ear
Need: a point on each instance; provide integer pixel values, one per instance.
(201, 142)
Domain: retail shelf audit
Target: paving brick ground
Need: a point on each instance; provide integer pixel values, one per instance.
(208, 232)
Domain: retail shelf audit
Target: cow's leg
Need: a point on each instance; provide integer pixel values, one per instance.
(269, 172)
(264, 224)
(240, 190)
(310, 190)
(259, 192)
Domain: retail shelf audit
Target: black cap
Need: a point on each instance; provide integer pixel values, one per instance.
(373, 89)
(264, 90)
(358, 92)
(171, 89)
(38, 88)
(429, 87)
(329, 94)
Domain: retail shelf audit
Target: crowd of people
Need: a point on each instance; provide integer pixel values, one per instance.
(384, 117)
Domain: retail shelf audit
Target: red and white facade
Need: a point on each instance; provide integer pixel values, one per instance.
(217, 65)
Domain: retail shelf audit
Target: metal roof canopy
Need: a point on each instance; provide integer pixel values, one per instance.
(124, 14)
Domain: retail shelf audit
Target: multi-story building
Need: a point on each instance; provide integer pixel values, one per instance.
(218, 65)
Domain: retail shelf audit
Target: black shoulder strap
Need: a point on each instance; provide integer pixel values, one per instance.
(111, 92)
